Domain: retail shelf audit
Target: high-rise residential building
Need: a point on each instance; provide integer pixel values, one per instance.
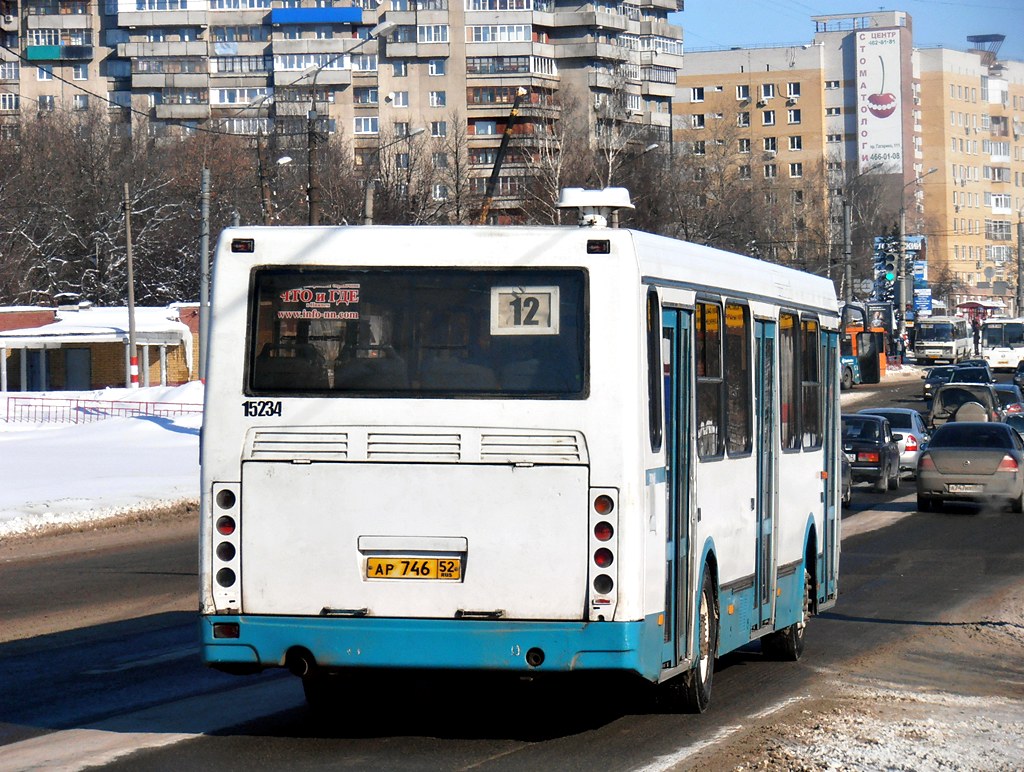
(973, 132)
(264, 66)
(937, 131)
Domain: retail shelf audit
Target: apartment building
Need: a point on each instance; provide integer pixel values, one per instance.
(974, 137)
(259, 66)
(811, 118)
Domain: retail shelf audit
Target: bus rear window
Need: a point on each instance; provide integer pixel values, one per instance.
(418, 332)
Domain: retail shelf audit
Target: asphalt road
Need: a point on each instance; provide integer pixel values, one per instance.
(128, 691)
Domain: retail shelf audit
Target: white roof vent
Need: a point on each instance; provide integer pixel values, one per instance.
(596, 207)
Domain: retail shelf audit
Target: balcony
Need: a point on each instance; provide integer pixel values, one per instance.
(592, 19)
(183, 112)
(58, 53)
(147, 49)
(170, 80)
(348, 15)
(176, 18)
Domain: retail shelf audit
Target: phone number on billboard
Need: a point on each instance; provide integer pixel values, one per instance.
(885, 156)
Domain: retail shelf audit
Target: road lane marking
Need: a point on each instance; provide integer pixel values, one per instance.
(160, 726)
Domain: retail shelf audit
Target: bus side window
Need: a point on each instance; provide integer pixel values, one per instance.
(708, 364)
(654, 369)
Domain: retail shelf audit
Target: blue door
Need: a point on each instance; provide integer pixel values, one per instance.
(676, 359)
(766, 433)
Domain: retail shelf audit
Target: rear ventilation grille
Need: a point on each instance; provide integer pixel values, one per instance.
(416, 444)
(389, 446)
(530, 448)
(305, 445)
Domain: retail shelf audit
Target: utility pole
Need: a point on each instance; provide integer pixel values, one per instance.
(1020, 262)
(204, 271)
(133, 352)
(267, 204)
(847, 251)
(901, 274)
(312, 175)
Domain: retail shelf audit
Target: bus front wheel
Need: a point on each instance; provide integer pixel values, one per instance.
(691, 691)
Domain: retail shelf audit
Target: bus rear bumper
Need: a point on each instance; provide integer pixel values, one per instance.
(434, 644)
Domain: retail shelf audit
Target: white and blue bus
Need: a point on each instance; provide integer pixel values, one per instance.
(1002, 342)
(530, 450)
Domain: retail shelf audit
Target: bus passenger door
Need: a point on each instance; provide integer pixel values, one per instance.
(676, 357)
(764, 396)
(830, 420)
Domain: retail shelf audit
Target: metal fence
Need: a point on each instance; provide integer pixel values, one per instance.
(77, 411)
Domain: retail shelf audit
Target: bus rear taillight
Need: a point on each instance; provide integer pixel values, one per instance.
(603, 553)
(224, 562)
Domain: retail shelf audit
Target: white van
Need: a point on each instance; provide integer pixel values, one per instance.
(942, 339)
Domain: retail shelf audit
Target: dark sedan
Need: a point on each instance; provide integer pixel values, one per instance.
(971, 461)
(872, 450)
(1018, 375)
(935, 377)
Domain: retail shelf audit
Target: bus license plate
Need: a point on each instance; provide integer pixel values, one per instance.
(965, 488)
(414, 568)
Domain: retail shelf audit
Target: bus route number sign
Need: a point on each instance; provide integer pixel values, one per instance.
(414, 568)
(524, 310)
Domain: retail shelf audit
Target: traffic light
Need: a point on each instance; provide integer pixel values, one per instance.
(890, 266)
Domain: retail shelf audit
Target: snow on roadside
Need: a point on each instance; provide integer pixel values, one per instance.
(70, 474)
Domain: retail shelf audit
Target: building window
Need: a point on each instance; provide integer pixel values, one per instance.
(432, 33)
(698, 147)
(697, 94)
(834, 138)
(47, 103)
(793, 90)
(439, 192)
(771, 171)
(364, 95)
(9, 101)
(830, 111)
(743, 119)
(400, 99)
(796, 143)
(745, 145)
(831, 85)
(401, 128)
(400, 69)
(44, 72)
(697, 121)
(439, 128)
(485, 128)
(744, 172)
(767, 90)
(80, 102)
(770, 144)
(367, 124)
(743, 92)
(437, 99)
(440, 160)
(793, 115)
(401, 160)
(796, 170)
(80, 72)
(436, 67)
(768, 118)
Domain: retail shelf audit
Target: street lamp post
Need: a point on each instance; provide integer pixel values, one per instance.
(371, 183)
(312, 138)
(903, 276)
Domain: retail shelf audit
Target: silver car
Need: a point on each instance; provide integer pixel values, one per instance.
(910, 423)
(972, 461)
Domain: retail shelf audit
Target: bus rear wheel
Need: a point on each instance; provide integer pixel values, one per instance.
(847, 382)
(788, 643)
(691, 691)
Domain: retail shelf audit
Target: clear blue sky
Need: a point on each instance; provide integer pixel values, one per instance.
(946, 23)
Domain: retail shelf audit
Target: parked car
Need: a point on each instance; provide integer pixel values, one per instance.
(1018, 375)
(846, 481)
(964, 402)
(971, 374)
(972, 461)
(935, 377)
(872, 450)
(910, 423)
(979, 362)
(1010, 397)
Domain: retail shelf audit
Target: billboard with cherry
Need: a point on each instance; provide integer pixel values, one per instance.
(879, 100)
